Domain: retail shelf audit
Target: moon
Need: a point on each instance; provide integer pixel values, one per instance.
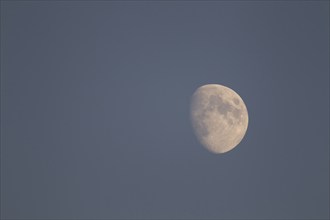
(219, 117)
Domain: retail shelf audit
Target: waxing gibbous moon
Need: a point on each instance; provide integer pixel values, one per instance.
(219, 117)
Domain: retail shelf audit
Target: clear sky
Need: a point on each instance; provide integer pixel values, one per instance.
(95, 109)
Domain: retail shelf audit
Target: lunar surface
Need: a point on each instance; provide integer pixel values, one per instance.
(219, 117)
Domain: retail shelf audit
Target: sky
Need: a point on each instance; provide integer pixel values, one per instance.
(95, 99)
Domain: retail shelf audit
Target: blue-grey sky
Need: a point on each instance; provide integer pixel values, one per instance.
(95, 109)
